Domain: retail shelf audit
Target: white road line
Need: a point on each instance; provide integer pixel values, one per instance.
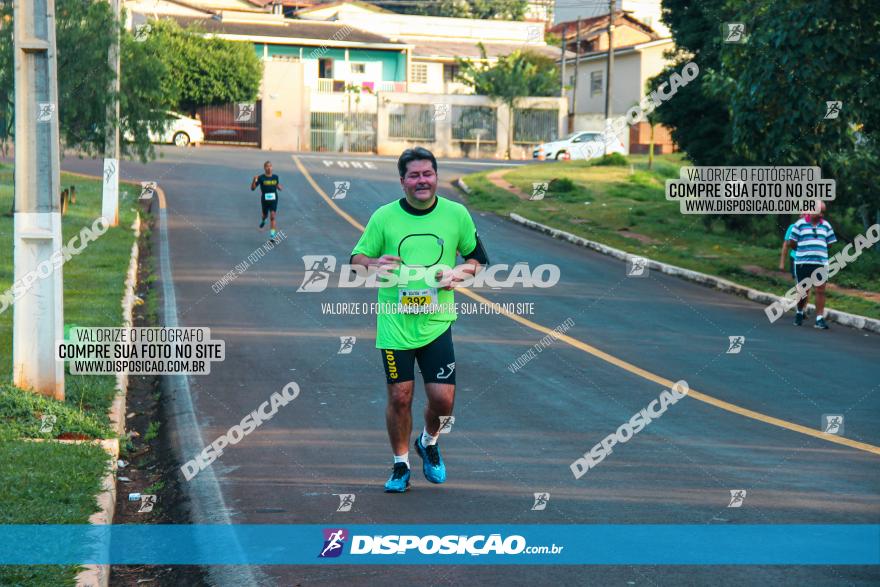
(206, 500)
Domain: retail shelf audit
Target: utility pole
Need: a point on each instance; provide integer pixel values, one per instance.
(577, 67)
(562, 81)
(38, 314)
(608, 74)
(110, 192)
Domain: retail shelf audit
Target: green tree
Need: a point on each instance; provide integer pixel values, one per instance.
(514, 76)
(83, 34)
(763, 102)
(699, 114)
(205, 70)
(7, 96)
(800, 56)
(169, 68)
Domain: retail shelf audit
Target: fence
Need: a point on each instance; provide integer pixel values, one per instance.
(336, 131)
(232, 123)
(466, 125)
(411, 122)
(533, 126)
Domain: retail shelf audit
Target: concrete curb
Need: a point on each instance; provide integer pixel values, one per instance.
(844, 318)
(99, 575)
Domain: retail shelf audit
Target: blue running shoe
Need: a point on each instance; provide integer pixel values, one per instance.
(399, 480)
(432, 462)
(262, 223)
(820, 324)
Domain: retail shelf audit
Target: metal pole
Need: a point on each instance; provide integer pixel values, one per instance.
(610, 65)
(38, 313)
(562, 81)
(110, 192)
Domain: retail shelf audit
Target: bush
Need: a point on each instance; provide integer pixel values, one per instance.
(614, 159)
(561, 185)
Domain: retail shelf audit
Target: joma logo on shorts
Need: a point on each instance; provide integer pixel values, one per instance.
(392, 364)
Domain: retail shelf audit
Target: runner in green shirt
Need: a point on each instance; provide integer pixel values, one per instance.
(414, 242)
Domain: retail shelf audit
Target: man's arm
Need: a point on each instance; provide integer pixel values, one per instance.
(785, 247)
(254, 182)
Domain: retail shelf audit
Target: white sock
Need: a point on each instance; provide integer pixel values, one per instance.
(404, 458)
(819, 316)
(427, 439)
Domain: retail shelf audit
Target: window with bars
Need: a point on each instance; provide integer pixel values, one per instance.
(419, 73)
(595, 83)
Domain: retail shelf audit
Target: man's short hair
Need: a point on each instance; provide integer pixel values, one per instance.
(416, 154)
(267, 163)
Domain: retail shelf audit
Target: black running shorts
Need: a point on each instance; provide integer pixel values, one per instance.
(269, 205)
(436, 361)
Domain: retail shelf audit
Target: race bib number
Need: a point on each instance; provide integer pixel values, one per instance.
(417, 301)
(269, 196)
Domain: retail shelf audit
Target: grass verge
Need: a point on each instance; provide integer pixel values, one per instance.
(53, 483)
(625, 207)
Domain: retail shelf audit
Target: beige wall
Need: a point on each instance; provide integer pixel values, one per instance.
(653, 63)
(631, 72)
(286, 108)
(625, 88)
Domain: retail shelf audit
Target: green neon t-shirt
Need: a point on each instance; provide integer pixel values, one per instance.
(424, 241)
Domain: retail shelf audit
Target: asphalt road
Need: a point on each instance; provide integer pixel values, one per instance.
(515, 433)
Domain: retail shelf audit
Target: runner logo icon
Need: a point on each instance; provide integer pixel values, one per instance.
(736, 344)
(340, 189)
(541, 500)
(832, 423)
(737, 497)
(334, 541)
(446, 423)
(318, 271)
(346, 344)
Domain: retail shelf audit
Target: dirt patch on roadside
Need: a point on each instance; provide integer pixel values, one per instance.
(151, 465)
(497, 179)
(639, 237)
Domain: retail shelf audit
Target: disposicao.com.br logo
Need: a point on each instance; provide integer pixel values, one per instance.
(321, 269)
(454, 544)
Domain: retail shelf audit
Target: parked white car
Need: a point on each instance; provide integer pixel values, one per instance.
(595, 148)
(179, 129)
(577, 146)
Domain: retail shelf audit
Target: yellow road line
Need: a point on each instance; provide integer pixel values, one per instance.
(626, 366)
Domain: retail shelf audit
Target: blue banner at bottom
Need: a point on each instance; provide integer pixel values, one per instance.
(795, 544)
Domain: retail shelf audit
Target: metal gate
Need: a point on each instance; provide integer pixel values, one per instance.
(237, 124)
(337, 132)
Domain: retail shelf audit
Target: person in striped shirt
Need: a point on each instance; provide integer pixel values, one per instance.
(810, 237)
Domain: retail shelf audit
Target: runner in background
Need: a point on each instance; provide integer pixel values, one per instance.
(269, 188)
